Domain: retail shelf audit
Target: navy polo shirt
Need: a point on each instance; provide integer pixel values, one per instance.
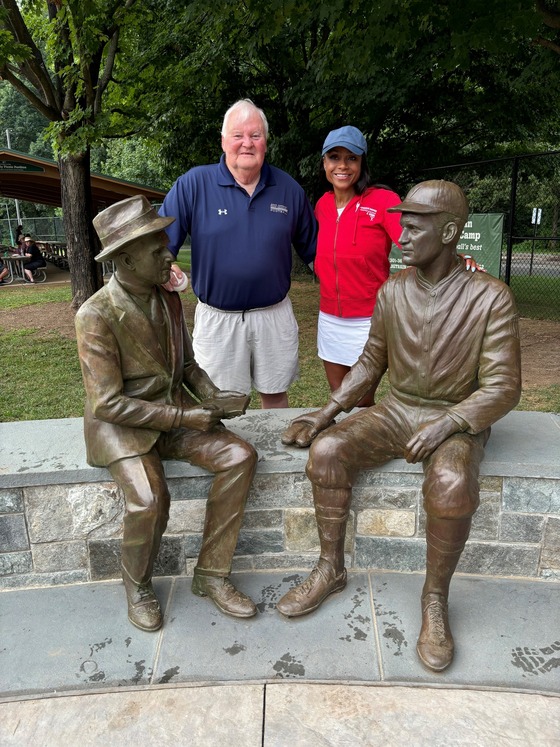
(241, 245)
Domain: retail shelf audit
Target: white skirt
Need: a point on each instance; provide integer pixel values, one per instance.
(341, 340)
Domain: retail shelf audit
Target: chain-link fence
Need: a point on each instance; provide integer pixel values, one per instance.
(526, 189)
(41, 229)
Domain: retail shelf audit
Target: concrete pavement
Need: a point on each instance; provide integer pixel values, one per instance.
(74, 671)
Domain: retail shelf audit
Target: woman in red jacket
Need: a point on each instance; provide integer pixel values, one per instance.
(353, 245)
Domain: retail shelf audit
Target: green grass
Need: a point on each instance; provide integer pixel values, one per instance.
(16, 298)
(184, 259)
(41, 376)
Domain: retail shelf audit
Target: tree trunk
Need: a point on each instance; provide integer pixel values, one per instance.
(81, 240)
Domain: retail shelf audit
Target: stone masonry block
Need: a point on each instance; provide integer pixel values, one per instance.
(73, 512)
(15, 562)
(300, 526)
(276, 561)
(389, 479)
(390, 554)
(499, 560)
(186, 516)
(531, 495)
(522, 527)
(13, 533)
(171, 557)
(263, 518)
(189, 488)
(11, 501)
(255, 542)
(485, 522)
(550, 558)
(384, 496)
(280, 491)
(105, 558)
(386, 523)
(491, 484)
(193, 543)
(59, 556)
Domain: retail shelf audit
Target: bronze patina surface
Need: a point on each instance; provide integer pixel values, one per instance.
(450, 342)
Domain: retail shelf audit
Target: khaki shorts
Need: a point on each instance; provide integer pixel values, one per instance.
(240, 350)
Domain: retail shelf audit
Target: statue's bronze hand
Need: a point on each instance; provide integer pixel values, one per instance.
(428, 437)
(305, 428)
(202, 418)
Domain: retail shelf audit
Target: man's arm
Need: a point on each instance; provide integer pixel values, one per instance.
(305, 237)
(499, 369)
(178, 204)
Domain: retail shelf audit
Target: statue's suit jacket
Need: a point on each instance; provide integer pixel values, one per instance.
(134, 390)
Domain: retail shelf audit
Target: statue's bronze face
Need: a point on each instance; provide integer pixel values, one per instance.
(151, 259)
(421, 239)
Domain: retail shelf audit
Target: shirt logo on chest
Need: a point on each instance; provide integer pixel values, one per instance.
(370, 212)
(222, 211)
(275, 208)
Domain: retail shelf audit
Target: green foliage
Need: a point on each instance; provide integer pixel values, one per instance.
(426, 82)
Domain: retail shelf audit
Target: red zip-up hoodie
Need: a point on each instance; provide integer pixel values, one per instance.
(352, 259)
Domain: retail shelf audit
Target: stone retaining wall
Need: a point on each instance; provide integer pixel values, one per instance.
(58, 528)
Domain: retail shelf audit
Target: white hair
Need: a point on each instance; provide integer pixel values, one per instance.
(245, 109)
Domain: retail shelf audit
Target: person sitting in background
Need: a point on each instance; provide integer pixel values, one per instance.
(36, 259)
(3, 272)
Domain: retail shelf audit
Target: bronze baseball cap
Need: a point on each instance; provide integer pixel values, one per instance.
(434, 196)
(126, 221)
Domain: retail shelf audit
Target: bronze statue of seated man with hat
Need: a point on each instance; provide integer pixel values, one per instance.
(450, 343)
(147, 400)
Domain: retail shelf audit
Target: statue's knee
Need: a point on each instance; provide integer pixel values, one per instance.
(323, 465)
(451, 504)
(242, 454)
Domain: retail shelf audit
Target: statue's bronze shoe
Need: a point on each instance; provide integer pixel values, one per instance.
(306, 597)
(143, 607)
(435, 645)
(225, 596)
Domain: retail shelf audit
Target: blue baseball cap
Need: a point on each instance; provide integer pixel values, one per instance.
(346, 137)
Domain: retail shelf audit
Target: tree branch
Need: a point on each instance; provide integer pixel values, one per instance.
(107, 70)
(547, 44)
(48, 112)
(34, 69)
(549, 16)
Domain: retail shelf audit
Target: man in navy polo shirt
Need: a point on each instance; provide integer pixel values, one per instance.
(243, 216)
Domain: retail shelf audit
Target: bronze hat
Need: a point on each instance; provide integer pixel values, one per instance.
(126, 221)
(434, 196)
